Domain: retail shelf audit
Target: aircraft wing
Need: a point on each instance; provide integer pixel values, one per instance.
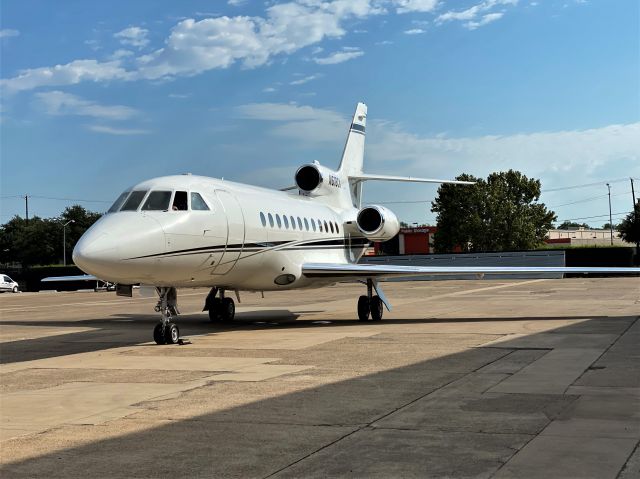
(368, 177)
(80, 277)
(379, 271)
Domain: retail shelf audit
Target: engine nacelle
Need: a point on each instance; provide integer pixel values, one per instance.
(316, 180)
(377, 223)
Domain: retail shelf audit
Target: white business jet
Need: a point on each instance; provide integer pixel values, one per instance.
(194, 231)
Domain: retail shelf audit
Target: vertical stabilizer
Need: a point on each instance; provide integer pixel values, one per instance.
(353, 154)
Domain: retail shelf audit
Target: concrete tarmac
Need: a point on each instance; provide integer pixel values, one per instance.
(505, 379)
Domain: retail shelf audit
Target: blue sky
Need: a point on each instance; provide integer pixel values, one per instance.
(97, 96)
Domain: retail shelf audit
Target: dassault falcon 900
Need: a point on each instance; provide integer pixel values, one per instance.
(194, 231)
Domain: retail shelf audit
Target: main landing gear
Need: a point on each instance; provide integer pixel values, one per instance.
(220, 307)
(165, 331)
(370, 305)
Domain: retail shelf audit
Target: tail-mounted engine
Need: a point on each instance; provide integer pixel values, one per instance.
(377, 223)
(316, 180)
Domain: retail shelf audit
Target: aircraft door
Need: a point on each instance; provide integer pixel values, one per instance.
(235, 232)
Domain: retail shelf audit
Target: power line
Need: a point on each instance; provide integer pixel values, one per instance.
(82, 200)
(585, 185)
(589, 199)
(597, 216)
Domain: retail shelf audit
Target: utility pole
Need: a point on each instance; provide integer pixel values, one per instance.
(26, 208)
(64, 241)
(610, 219)
(635, 221)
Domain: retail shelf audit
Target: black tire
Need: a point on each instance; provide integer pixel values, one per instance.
(227, 310)
(377, 308)
(214, 310)
(15, 289)
(363, 308)
(158, 334)
(171, 334)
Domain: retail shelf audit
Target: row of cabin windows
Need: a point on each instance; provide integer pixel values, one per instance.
(297, 223)
(158, 200)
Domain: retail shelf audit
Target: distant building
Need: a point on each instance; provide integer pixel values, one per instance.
(417, 240)
(584, 237)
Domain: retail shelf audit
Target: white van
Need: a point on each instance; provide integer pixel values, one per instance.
(7, 284)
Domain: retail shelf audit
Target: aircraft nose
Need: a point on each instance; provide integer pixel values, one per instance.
(107, 249)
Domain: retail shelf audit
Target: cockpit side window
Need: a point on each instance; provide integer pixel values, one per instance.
(118, 203)
(197, 203)
(157, 201)
(134, 200)
(180, 201)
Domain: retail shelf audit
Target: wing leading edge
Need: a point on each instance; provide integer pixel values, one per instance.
(360, 271)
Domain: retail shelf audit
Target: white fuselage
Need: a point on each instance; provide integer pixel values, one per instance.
(250, 238)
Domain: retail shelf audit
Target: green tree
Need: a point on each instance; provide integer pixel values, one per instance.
(500, 213)
(607, 226)
(630, 226)
(566, 225)
(39, 241)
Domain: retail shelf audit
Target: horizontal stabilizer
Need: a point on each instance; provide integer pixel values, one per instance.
(367, 177)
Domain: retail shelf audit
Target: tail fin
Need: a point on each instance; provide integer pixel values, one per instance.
(353, 154)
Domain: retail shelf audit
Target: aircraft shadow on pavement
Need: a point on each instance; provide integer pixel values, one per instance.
(382, 424)
(123, 330)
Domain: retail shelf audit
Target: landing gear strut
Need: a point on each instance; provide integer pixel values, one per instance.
(165, 331)
(370, 305)
(220, 307)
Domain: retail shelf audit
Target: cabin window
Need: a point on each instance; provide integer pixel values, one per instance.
(180, 201)
(326, 227)
(278, 221)
(293, 222)
(306, 224)
(286, 221)
(313, 224)
(263, 220)
(299, 224)
(198, 203)
(134, 200)
(270, 220)
(337, 229)
(118, 203)
(320, 226)
(331, 226)
(157, 201)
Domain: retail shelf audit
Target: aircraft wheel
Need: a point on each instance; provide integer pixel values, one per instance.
(158, 334)
(171, 334)
(227, 309)
(363, 308)
(214, 310)
(376, 308)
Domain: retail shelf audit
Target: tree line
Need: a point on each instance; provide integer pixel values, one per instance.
(39, 241)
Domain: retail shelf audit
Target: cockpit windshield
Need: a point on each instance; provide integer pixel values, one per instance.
(118, 203)
(157, 201)
(134, 200)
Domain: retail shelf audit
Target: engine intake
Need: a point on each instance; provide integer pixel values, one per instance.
(377, 223)
(308, 178)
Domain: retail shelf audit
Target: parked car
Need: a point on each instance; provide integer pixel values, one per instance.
(7, 284)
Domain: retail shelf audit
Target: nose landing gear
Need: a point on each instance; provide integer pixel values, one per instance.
(165, 331)
(370, 305)
(220, 307)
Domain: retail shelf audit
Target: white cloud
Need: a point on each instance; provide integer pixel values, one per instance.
(384, 42)
(414, 31)
(269, 89)
(347, 53)
(179, 96)
(488, 18)
(475, 16)
(61, 103)
(68, 74)
(109, 130)
(303, 80)
(8, 32)
(133, 36)
(236, 3)
(120, 54)
(408, 6)
(197, 46)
